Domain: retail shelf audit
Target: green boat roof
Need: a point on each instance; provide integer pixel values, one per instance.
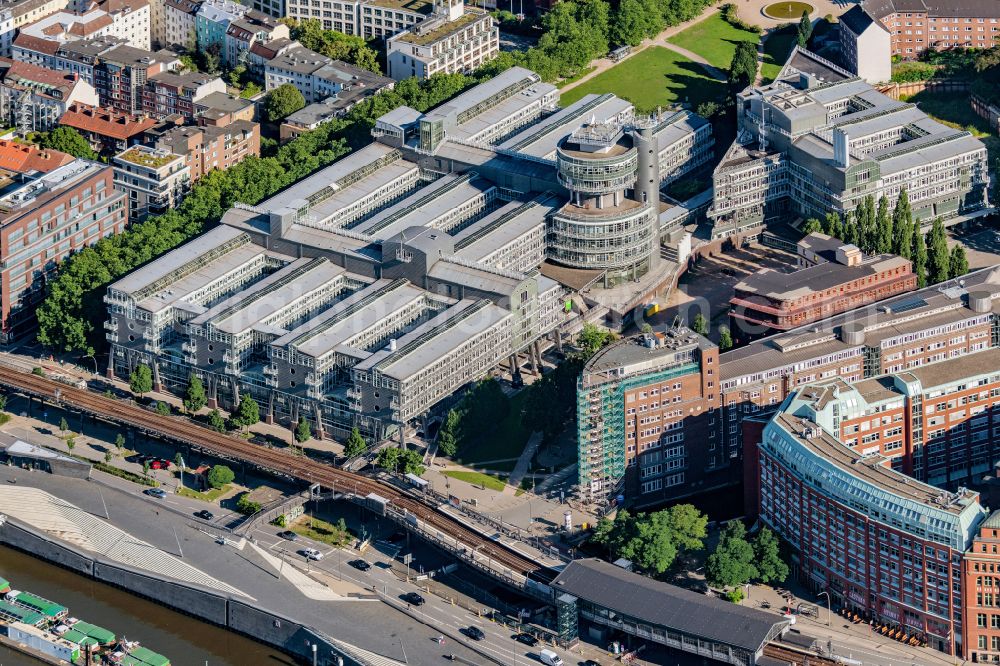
(4, 584)
(101, 635)
(147, 656)
(43, 606)
(79, 638)
(25, 615)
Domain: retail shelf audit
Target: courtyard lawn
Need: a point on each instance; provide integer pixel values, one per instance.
(714, 39)
(209, 495)
(954, 110)
(478, 479)
(320, 530)
(504, 440)
(777, 46)
(652, 78)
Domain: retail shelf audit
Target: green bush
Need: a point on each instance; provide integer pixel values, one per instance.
(125, 474)
(730, 14)
(247, 506)
(913, 72)
(280, 521)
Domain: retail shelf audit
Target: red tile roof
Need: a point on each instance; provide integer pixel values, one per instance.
(32, 43)
(25, 71)
(105, 122)
(24, 157)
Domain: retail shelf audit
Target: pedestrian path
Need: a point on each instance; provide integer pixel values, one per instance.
(68, 522)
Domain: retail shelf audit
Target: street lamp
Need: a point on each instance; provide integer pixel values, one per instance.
(91, 357)
(827, 606)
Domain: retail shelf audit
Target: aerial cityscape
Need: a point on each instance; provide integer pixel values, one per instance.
(562, 332)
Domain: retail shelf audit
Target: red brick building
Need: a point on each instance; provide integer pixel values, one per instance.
(44, 219)
(209, 147)
(918, 25)
(108, 131)
(831, 280)
(27, 157)
(981, 583)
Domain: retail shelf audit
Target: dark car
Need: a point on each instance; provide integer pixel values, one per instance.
(475, 633)
(361, 565)
(289, 535)
(527, 639)
(204, 515)
(413, 598)
(158, 493)
(589, 662)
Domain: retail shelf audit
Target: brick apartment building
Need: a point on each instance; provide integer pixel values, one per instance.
(43, 219)
(108, 131)
(832, 277)
(981, 581)
(168, 93)
(917, 25)
(210, 147)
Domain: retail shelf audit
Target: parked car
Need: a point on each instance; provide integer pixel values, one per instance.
(475, 633)
(158, 493)
(289, 535)
(549, 658)
(204, 515)
(361, 565)
(414, 598)
(311, 554)
(159, 463)
(527, 639)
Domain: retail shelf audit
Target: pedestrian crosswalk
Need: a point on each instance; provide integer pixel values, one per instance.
(68, 522)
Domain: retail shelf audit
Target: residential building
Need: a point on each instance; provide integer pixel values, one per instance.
(33, 99)
(108, 131)
(212, 20)
(15, 14)
(43, 219)
(153, 179)
(310, 117)
(244, 32)
(221, 109)
(455, 39)
(865, 46)
(132, 20)
(769, 300)
(366, 18)
(262, 53)
(659, 396)
(28, 158)
(979, 613)
(210, 147)
(609, 595)
(129, 22)
(168, 93)
(917, 25)
(318, 77)
(124, 73)
(818, 140)
(178, 24)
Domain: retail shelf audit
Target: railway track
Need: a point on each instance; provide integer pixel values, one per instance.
(797, 656)
(182, 430)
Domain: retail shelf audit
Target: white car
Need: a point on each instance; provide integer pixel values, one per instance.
(312, 554)
(549, 658)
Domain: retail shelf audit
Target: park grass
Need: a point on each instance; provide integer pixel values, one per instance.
(714, 39)
(654, 77)
(320, 530)
(953, 109)
(777, 46)
(501, 440)
(477, 479)
(576, 77)
(210, 495)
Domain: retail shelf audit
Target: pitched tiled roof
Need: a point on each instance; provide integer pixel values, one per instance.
(38, 44)
(25, 157)
(105, 122)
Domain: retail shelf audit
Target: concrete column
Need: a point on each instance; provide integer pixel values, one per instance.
(157, 384)
(558, 335)
(320, 433)
(213, 392)
(538, 358)
(270, 408)
(295, 414)
(111, 364)
(236, 392)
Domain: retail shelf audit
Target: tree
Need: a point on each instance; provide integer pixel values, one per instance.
(743, 68)
(194, 397)
(120, 443)
(833, 226)
(283, 101)
(812, 225)
(3, 403)
(388, 458)
(216, 422)
(107, 456)
(448, 435)
(700, 324)
(732, 563)
(805, 29)
(902, 216)
(851, 234)
(725, 339)
(919, 256)
(592, 338)
(653, 541)
(938, 257)
(303, 431)
(884, 227)
(67, 140)
(219, 476)
(333, 44)
(355, 444)
(70, 444)
(770, 567)
(403, 461)
(141, 380)
(247, 506)
(162, 408)
(145, 467)
(63, 425)
(248, 412)
(178, 460)
(959, 263)
(631, 23)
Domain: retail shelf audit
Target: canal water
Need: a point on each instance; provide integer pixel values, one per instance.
(184, 640)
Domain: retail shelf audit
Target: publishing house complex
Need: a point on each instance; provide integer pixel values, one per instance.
(368, 292)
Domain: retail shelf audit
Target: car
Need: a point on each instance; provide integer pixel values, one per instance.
(204, 515)
(311, 554)
(289, 535)
(361, 565)
(589, 662)
(414, 598)
(549, 658)
(159, 463)
(158, 493)
(475, 633)
(527, 639)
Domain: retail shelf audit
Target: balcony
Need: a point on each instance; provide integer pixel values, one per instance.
(110, 326)
(270, 371)
(190, 347)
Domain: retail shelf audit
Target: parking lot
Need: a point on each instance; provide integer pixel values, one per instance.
(981, 243)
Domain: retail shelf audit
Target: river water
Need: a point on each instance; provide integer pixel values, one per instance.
(184, 640)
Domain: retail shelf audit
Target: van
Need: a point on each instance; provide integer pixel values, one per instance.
(550, 658)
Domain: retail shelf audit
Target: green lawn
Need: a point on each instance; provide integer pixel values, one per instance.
(208, 496)
(953, 109)
(478, 479)
(320, 530)
(777, 46)
(714, 39)
(582, 73)
(653, 77)
(502, 440)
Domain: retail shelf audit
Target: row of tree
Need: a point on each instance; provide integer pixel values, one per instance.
(73, 302)
(877, 230)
